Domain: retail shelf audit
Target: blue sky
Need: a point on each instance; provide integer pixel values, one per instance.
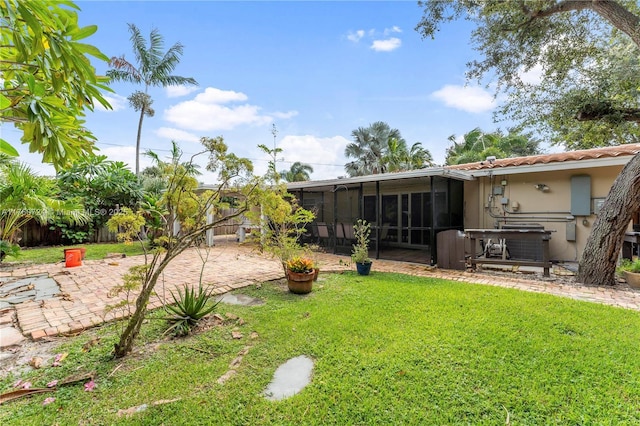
(317, 70)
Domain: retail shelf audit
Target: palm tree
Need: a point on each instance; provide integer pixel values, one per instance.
(297, 173)
(381, 149)
(369, 147)
(478, 145)
(470, 150)
(25, 196)
(153, 68)
(418, 157)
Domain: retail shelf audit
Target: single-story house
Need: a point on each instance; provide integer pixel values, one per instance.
(559, 192)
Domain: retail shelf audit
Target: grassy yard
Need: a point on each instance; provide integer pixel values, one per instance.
(56, 254)
(388, 349)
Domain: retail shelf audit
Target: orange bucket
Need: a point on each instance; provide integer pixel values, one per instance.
(72, 258)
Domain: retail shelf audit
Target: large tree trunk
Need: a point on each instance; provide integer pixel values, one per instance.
(600, 255)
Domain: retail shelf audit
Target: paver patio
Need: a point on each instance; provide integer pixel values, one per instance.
(86, 291)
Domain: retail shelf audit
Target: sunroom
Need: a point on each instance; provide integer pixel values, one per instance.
(406, 211)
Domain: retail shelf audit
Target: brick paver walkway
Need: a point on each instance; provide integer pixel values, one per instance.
(86, 291)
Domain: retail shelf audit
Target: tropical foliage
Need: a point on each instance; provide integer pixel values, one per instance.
(300, 264)
(477, 145)
(381, 149)
(298, 172)
(188, 309)
(47, 78)
(103, 187)
(154, 68)
(25, 196)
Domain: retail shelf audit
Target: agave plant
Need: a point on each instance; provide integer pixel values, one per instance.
(189, 308)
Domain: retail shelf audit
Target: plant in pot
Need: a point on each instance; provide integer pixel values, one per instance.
(300, 273)
(630, 270)
(360, 250)
(311, 251)
(283, 223)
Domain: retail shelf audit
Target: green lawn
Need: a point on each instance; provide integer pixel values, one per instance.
(56, 254)
(388, 349)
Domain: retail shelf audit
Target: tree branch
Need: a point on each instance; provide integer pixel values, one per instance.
(618, 114)
(610, 10)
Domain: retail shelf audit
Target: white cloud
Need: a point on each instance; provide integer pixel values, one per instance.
(285, 115)
(206, 112)
(470, 99)
(117, 103)
(325, 155)
(355, 36)
(217, 96)
(177, 135)
(394, 29)
(386, 45)
(177, 91)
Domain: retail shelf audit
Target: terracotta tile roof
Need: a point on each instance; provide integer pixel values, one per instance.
(586, 154)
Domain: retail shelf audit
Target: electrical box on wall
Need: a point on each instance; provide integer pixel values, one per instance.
(581, 195)
(498, 190)
(571, 231)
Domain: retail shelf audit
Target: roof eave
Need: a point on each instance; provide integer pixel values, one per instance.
(413, 174)
(554, 166)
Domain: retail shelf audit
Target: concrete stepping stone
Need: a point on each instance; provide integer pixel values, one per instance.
(240, 299)
(10, 336)
(290, 378)
(36, 287)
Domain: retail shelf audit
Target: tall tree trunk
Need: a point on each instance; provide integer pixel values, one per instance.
(600, 255)
(142, 112)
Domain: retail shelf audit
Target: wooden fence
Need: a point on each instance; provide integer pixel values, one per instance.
(33, 234)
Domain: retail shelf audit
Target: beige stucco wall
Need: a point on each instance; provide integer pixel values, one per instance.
(550, 208)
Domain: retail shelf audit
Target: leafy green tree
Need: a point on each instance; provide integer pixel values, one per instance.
(477, 145)
(189, 208)
(47, 79)
(593, 107)
(153, 69)
(297, 173)
(103, 187)
(565, 39)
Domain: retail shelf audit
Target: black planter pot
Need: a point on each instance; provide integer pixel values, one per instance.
(363, 268)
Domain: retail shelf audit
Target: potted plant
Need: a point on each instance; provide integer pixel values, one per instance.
(311, 251)
(300, 273)
(630, 270)
(360, 250)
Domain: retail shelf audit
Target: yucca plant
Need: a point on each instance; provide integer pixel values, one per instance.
(189, 308)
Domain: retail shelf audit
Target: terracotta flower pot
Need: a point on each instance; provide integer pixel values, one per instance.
(633, 279)
(300, 282)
